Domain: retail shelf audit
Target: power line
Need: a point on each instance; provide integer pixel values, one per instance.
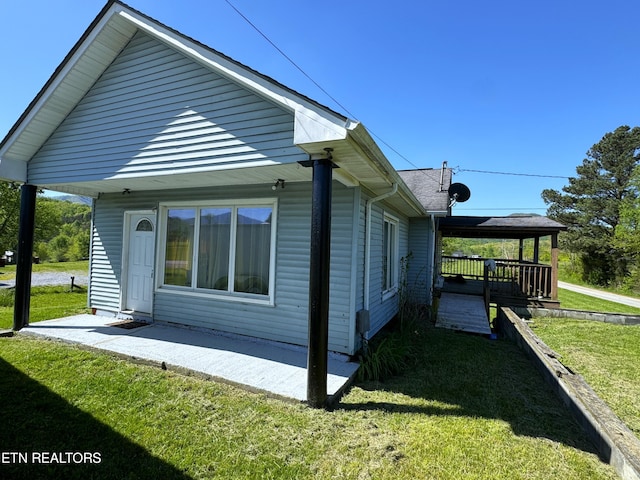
(345, 109)
(512, 173)
(514, 208)
(289, 59)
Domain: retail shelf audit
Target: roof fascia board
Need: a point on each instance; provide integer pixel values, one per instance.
(312, 123)
(59, 75)
(438, 213)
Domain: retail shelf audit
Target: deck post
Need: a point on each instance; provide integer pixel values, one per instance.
(24, 256)
(554, 266)
(486, 291)
(521, 250)
(319, 283)
(536, 249)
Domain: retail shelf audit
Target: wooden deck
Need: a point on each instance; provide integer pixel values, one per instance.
(509, 280)
(462, 312)
(501, 296)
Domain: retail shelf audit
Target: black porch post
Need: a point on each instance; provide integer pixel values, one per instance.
(24, 256)
(319, 283)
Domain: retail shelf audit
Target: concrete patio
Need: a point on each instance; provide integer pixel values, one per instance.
(275, 368)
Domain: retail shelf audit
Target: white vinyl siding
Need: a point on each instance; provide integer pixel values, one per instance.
(287, 319)
(156, 112)
(383, 305)
(420, 240)
(361, 225)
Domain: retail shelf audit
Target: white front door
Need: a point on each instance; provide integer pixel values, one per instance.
(142, 239)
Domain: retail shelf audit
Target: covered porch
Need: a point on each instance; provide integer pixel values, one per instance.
(273, 368)
(505, 281)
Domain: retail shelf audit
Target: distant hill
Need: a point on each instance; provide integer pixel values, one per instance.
(74, 199)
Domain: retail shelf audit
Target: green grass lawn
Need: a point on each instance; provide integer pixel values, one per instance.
(578, 301)
(46, 303)
(469, 408)
(445, 418)
(606, 355)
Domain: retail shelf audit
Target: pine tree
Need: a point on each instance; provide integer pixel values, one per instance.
(590, 206)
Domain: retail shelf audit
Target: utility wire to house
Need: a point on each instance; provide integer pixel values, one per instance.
(518, 209)
(353, 116)
(323, 90)
(458, 169)
(290, 60)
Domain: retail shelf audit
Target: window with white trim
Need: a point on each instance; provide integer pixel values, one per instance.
(389, 254)
(220, 248)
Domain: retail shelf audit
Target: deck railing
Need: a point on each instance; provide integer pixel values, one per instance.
(504, 276)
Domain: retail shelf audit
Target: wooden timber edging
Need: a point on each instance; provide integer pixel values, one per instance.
(616, 318)
(616, 443)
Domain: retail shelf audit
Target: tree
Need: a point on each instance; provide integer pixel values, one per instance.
(627, 234)
(49, 219)
(9, 216)
(62, 230)
(54, 218)
(591, 205)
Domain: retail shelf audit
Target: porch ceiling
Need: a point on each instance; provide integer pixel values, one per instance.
(361, 162)
(352, 170)
(292, 172)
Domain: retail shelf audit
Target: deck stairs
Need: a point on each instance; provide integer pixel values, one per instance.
(466, 313)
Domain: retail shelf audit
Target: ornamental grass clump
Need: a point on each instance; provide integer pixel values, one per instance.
(395, 349)
(6, 298)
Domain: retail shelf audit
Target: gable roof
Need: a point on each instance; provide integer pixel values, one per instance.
(101, 43)
(316, 127)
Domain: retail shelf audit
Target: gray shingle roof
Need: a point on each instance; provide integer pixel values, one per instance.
(499, 227)
(430, 186)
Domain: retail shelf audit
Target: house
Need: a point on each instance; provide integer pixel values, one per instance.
(206, 177)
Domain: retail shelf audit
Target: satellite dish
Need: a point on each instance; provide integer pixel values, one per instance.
(459, 192)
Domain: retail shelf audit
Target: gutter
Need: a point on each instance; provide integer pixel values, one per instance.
(367, 241)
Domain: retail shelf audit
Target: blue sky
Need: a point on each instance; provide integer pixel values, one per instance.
(522, 87)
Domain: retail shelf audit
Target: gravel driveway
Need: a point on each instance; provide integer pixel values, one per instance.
(51, 278)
